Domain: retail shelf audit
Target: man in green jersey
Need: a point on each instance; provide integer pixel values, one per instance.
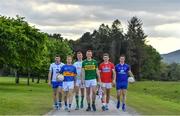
(89, 73)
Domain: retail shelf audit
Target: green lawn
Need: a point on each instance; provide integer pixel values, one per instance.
(159, 98)
(145, 97)
(22, 99)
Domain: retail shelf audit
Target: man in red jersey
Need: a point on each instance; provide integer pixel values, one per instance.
(107, 73)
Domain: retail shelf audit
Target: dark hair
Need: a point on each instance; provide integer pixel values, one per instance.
(122, 55)
(105, 54)
(79, 52)
(89, 50)
(57, 55)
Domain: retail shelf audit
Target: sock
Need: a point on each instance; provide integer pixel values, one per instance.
(77, 100)
(65, 103)
(69, 105)
(93, 103)
(89, 105)
(82, 99)
(123, 99)
(104, 104)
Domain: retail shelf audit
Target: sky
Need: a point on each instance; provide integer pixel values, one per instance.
(72, 18)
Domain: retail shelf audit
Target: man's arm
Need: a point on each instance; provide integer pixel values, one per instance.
(82, 75)
(98, 74)
(114, 76)
(130, 73)
(49, 78)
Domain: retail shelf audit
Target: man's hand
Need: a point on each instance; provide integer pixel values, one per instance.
(114, 83)
(49, 83)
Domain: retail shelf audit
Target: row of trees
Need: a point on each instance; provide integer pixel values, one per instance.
(144, 59)
(26, 50)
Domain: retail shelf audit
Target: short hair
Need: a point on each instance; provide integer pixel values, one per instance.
(69, 56)
(57, 55)
(105, 54)
(89, 51)
(79, 52)
(122, 55)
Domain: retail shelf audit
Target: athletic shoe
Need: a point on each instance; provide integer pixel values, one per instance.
(124, 107)
(118, 105)
(103, 108)
(66, 108)
(106, 107)
(69, 110)
(77, 108)
(88, 109)
(94, 107)
(60, 105)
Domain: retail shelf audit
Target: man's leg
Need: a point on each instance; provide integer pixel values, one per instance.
(124, 99)
(82, 97)
(94, 97)
(104, 99)
(107, 97)
(60, 96)
(65, 99)
(118, 98)
(70, 98)
(88, 98)
(77, 97)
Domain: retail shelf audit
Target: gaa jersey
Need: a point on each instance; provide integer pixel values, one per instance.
(106, 72)
(69, 72)
(78, 66)
(122, 73)
(90, 69)
(54, 69)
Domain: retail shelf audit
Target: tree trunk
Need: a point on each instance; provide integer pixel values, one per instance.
(29, 75)
(16, 76)
(33, 79)
(38, 79)
(46, 80)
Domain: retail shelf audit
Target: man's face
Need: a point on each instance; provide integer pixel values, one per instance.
(57, 59)
(69, 60)
(79, 56)
(89, 54)
(106, 58)
(122, 59)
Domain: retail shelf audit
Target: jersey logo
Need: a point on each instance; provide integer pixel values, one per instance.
(89, 67)
(69, 74)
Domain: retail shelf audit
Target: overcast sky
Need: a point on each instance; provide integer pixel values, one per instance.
(71, 18)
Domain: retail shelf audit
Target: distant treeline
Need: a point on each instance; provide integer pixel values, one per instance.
(26, 51)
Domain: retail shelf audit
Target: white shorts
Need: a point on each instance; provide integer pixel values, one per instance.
(90, 83)
(79, 84)
(68, 85)
(106, 85)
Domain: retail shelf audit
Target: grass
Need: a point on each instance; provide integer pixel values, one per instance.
(22, 99)
(147, 98)
(154, 98)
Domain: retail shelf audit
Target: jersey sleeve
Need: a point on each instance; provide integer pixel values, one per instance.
(96, 65)
(51, 68)
(62, 70)
(100, 67)
(112, 66)
(75, 71)
(128, 67)
(83, 64)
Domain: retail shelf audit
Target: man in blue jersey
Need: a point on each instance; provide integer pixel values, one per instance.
(78, 84)
(122, 71)
(69, 72)
(57, 86)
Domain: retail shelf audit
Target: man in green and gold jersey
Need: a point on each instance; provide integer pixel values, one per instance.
(89, 73)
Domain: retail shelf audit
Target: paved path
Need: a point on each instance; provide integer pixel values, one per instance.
(112, 110)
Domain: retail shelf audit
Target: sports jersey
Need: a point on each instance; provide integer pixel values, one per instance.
(78, 66)
(69, 72)
(90, 69)
(106, 72)
(122, 73)
(54, 69)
